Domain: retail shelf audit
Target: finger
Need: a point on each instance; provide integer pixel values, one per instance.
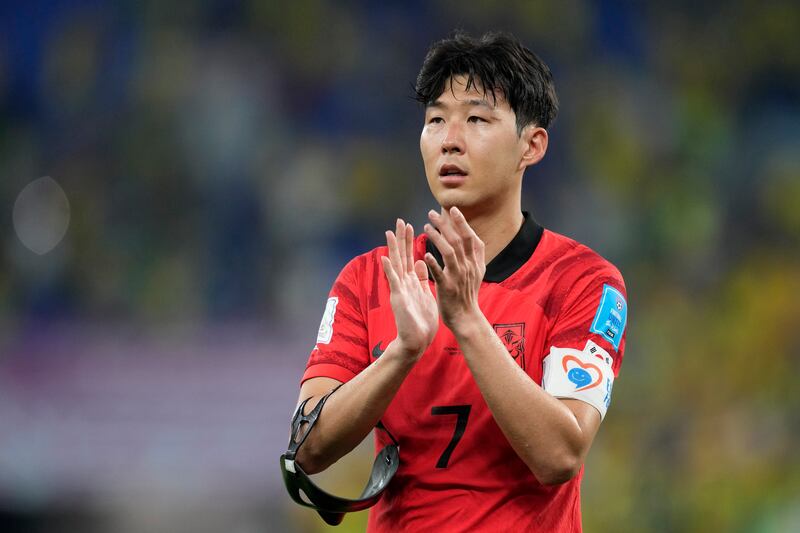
(436, 271)
(464, 230)
(460, 223)
(400, 232)
(391, 276)
(479, 249)
(447, 251)
(394, 252)
(444, 224)
(421, 270)
(410, 247)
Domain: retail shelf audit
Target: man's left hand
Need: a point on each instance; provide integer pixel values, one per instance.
(458, 283)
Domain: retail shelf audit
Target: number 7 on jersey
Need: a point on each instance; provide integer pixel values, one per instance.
(461, 425)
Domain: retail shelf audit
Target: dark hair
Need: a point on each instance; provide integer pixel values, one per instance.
(496, 61)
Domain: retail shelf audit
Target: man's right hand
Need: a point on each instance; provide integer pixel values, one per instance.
(358, 405)
(413, 304)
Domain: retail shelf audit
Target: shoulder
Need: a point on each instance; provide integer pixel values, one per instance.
(574, 263)
(364, 264)
(362, 276)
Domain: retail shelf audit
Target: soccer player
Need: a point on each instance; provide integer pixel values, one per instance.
(487, 346)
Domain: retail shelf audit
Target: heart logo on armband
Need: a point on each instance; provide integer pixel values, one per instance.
(580, 374)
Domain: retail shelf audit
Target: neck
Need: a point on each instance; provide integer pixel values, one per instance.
(496, 228)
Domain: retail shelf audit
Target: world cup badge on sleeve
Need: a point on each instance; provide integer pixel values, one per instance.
(611, 317)
(325, 333)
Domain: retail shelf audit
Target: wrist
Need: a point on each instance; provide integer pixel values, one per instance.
(405, 352)
(468, 324)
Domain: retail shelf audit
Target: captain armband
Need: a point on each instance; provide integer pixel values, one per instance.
(584, 375)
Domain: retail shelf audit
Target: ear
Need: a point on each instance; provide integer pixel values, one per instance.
(535, 145)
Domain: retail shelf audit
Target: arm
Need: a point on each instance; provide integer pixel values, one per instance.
(352, 412)
(551, 436)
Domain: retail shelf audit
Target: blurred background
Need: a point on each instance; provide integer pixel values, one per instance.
(180, 184)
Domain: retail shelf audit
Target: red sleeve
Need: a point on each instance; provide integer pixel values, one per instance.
(341, 350)
(594, 307)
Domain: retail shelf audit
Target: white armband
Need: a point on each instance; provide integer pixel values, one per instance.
(580, 375)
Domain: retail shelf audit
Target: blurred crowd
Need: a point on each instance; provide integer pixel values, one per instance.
(222, 160)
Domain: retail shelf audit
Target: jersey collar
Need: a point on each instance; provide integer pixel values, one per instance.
(512, 257)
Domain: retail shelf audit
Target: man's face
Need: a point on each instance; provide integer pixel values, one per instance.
(470, 148)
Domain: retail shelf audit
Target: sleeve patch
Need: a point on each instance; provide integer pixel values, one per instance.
(325, 333)
(611, 317)
(581, 375)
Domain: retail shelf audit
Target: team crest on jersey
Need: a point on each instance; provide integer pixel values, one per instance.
(513, 337)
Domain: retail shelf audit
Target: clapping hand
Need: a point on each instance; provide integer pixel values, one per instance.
(458, 283)
(413, 304)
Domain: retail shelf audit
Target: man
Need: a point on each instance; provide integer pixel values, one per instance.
(487, 346)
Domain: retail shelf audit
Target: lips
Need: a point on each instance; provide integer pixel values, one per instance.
(451, 170)
(452, 175)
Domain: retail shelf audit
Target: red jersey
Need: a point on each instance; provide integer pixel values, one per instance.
(547, 296)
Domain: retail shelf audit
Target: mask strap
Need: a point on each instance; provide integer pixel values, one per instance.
(381, 426)
(299, 419)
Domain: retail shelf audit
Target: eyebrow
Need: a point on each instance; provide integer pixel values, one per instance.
(468, 103)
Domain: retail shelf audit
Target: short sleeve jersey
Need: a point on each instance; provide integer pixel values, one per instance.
(547, 297)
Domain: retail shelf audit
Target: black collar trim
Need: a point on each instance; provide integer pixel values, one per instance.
(512, 257)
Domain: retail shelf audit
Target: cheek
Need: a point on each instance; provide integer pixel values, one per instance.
(491, 151)
(426, 139)
(504, 159)
(428, 148)
(499, 166)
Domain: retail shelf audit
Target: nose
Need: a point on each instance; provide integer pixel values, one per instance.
(453, 142)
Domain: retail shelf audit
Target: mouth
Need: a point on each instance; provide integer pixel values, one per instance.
(452, 174)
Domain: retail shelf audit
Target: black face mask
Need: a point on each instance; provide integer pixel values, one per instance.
(332, 508)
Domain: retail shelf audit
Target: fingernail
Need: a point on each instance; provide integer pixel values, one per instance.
(433, 213)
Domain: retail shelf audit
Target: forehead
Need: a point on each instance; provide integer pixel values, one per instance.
(456, 93)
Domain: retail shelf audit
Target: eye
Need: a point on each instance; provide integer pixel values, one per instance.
(435, 120)
(475, 118)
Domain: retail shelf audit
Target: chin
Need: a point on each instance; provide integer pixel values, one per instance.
(449, 200)
(454, 197)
